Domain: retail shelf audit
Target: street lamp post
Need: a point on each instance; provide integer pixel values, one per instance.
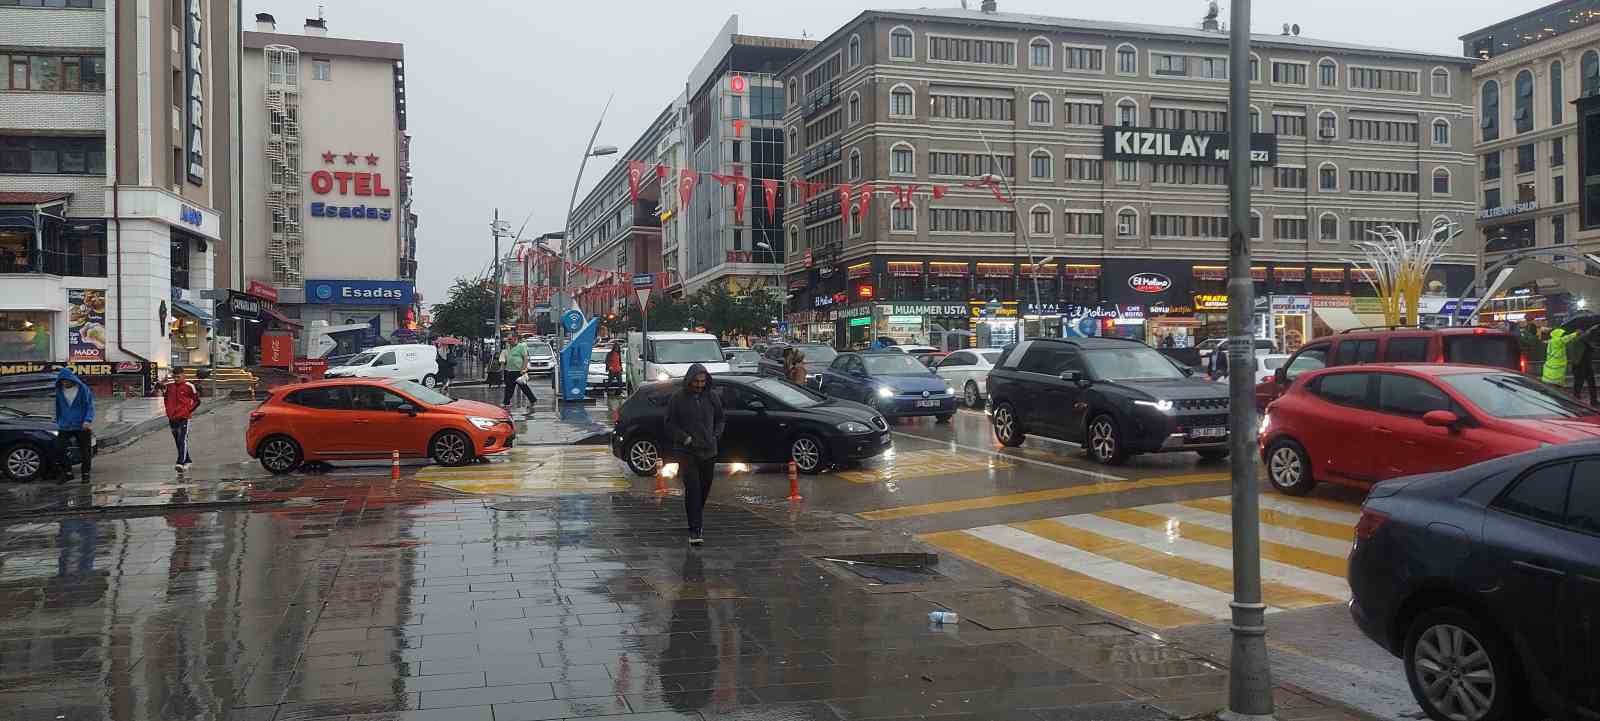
(566, 246)
(497, 230)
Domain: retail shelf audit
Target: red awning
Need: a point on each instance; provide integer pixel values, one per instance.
(1290, 274)
(277, 315)
(905, 268)
(1083, 271)
(26, 198)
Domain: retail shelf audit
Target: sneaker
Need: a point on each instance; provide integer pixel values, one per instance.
(178, 467)
(695, 539)
(186, 467)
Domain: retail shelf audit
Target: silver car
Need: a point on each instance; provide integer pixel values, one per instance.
(742, 361)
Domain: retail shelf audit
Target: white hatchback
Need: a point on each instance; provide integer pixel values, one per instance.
(967, 371)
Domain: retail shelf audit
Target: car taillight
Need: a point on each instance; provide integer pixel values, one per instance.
(1369, 524)
(256, 416)
(1523, 364)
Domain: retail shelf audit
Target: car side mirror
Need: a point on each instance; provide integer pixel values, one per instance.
(757, 406)
(1441, 419)
(1075, 377)
(407, 409)
(1281, 375)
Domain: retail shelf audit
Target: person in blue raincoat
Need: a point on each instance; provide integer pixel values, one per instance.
(74, 418)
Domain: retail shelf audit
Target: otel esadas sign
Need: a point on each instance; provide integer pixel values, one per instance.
(346, 183)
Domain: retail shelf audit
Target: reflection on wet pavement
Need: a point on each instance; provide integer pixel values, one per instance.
(358, 596)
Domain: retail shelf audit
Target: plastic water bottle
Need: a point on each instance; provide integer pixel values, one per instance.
(943, 617)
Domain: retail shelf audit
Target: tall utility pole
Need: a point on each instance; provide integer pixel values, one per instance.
(994, 164)
(1249, 674)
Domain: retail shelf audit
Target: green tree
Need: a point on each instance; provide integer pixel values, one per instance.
(469, 310)
(725, 313)
(666, 314)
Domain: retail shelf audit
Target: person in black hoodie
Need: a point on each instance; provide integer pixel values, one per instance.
(694, 424)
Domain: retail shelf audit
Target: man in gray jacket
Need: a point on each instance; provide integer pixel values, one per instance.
(694, 424)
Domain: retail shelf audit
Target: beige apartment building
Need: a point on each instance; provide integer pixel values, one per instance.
(1120, 231)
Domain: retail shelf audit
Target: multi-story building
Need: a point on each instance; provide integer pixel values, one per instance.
(1537, 86)
(328, 230)
(1120, 228)
(114, 172)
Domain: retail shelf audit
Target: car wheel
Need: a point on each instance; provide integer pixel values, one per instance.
(1459, 669)
(944, 417)
(428, 381)
(644, 457)
(1288, 468)
(1213, 454)
(1105, 440)
(279, 454)
(1007, 427)
(808, 453)
(970, 395)
(24, 462)
(451, 448)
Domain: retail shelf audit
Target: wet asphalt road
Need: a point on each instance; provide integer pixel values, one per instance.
(993, 513)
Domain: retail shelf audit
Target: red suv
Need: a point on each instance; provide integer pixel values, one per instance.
(1464, 345)
(1358, 425)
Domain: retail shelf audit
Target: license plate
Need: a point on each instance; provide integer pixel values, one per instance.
(1219, 432)
(928, 404)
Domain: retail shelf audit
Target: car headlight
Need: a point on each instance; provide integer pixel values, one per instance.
(854, 427)
(885, 392)
(1162, 406)
(949, 390)
(54, 433)
(483, 423)
(663, 376)
(1266, 421)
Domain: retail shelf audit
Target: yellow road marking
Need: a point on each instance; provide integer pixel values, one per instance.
(1132, 605)
(1315, 526)
(920, 464)
(568, 469)
(1204, 574)
(1054, 494)
(1309, 560)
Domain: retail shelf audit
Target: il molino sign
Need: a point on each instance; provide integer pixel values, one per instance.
(1183, 146)
(359, 292)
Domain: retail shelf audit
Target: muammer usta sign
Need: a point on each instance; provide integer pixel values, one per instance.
(1183, 146)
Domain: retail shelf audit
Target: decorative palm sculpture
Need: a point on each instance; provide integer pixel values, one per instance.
(1398, 267)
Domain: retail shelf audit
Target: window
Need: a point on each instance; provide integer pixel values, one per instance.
(1087, 60)
(1381, 80)
(1081, 112)
(52, 156)
(1540, 495)
(967, 107)
(1383, 131)
(1039, 220)
(1441, 132)
(1039, 53)
(68, 73)
(855, 165)
(1328, 124)
(1558, 189)
(1345, 389)
(1441, 181)
(1328, 177)
(969, 50)
(1083, 169)
(902, 160)
(854, 50)
(1169, 64)
(855, 108)
(1440, 82)
(1213, 68)
(1522, 104)
(1127, 60)
(1526, 192)
(1127, 171)
(1255, 120)
(1362, 230)
(1558, 154)
(1040, 166)
(1039, 109)
(1080, 223)
(1255, 68)
(1491, 165)
(900, 44)
(1489, 110)
(1491, 198)
(1288, 73)
(1405, 395)
(1127, 223)
(1557, 100)
(1181, 119)
(971, 221)
(321, 69)
(1127, 113)
(1525, 162)
(902, 219)
(1189, 174)
(901, 101)
(329, 398)
(1558, 230)
(1329, 230)
(1327, 73)
(1383, 181)
(1290, 228)
(969, 165)
(1290, 125)
(1309, 359)
(1352, 351)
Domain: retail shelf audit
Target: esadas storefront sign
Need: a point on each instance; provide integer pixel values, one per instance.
(349, 184)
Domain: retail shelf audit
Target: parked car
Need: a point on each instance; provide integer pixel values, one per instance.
(417, 362)
(541, 358)
(350, 419)
(818, 357)
(742, 361)
(1267, 364)
(27, 444)
(890, 381)
(768, 421)
(967, 371)
(1475, 346)
(1115, 396)
(931, 360)
(1411, 418)
(1483, 581)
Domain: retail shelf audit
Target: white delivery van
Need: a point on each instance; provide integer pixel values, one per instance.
(664, 356)
(416, 362)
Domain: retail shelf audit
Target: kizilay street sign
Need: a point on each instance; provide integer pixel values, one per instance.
(1183, 146)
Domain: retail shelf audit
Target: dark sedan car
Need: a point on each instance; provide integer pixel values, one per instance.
(769, 420)
(898, 385)
(1485, 580)
(25, 445)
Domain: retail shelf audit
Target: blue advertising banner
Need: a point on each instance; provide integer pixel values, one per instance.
(359, 292)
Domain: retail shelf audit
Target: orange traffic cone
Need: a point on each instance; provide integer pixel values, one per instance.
(794, 481)
(394, 465)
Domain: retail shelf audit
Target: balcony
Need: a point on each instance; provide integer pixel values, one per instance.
(823, 208)
(820, 157)
(39, 27)
(821, 99)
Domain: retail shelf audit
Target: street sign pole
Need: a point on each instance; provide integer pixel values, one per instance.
(1249, 674)
(642, 283)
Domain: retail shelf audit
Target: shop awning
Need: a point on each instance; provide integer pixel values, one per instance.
(1371, 320)
(278, 316)
(192, 310)
(1339, 319)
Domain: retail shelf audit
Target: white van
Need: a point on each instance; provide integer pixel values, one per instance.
(416, 362)
(664, 356)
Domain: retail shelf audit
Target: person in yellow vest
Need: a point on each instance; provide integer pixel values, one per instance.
(1555, 358)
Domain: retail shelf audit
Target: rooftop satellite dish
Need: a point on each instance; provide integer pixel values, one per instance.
(1295, 28)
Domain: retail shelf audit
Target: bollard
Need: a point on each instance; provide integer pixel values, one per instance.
(394, 465)
(794, 481)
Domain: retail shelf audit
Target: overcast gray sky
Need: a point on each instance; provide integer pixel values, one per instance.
(504, 93)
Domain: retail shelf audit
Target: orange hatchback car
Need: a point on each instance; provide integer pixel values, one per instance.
(364, 418)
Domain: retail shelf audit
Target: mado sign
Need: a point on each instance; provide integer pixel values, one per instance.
(359, 292)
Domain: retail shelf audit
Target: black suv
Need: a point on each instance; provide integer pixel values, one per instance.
(1115, 396)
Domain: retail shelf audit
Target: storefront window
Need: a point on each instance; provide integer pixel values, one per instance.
(25, 335)
(1510, 236)
(1047, 289)
(994, 288)
(902, 287)
(79, 249)
(1081, 291)
(947, 289)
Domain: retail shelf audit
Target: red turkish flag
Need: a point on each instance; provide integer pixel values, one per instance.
(662, 171)
(844, 197)
(686, 181)
(635, 172)
(769, 188)
(864, 198)
(902, 195)
(741, 188)
(938, 191)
